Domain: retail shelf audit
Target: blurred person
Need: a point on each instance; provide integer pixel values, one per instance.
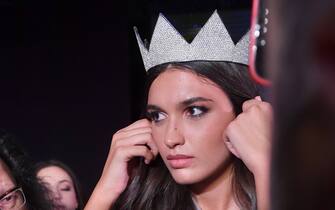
(302, 65)
(19, 187)
(62, 183)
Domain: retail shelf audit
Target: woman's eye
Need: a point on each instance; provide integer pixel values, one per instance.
(156, 116)
(196, 111)
(66, 189)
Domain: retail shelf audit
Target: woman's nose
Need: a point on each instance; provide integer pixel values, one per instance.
(56, 195)
(174, 136)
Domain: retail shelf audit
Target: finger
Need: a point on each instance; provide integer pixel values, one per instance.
(234, 133)
(138, 124)
(139, 127)
(249, 103)
(153, 147)
(131, 132)
(136, 151)
(137, 139)
(258, 98)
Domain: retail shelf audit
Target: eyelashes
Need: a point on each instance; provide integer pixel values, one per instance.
(192, 112)
(65, 189)
(155, 116)
(196, 111)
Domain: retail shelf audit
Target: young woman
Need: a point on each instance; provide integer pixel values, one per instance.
(62, 184)
(204, 143)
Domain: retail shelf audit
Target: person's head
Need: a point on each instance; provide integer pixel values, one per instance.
(62, 183)
(190, 104)
(11, 196)
(19, 188)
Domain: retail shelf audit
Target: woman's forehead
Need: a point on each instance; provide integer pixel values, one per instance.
(54, 174)
(176, 85)
(181, 76)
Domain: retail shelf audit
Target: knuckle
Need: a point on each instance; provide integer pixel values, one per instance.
(255, 109)
(245, 104)
(120, 131)
(230, 126)
(117, 144)
(239, 118)
(267, 107)
(115, 140)
(116, 136)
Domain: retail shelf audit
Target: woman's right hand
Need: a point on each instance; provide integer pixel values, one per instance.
(127, 143)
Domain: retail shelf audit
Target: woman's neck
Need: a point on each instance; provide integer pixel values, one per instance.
(215, 192)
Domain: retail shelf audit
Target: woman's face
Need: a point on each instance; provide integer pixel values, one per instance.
(61, 186)
(189, 116)
(9, 197)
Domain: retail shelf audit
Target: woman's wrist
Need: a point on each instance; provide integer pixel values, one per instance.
(101, 198)
(262, 182)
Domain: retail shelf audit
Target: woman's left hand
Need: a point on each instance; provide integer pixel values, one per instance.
(249, 135)
(249, 138)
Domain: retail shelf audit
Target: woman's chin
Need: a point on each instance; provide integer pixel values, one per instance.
(184, 176)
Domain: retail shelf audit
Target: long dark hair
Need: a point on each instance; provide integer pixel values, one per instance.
(69, 171)
(152, 187)
(21, 169)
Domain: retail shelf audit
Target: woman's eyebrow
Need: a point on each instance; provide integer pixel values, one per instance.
(195, 99)
(154, 107)
(183, 103)
(64, 181)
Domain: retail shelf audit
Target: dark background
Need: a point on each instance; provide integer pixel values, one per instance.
(71, 73)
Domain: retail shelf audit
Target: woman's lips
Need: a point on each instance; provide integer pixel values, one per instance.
(179, 161)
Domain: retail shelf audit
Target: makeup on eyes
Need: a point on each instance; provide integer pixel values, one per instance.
(194, 110)
(154, 112)
(155, 116)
